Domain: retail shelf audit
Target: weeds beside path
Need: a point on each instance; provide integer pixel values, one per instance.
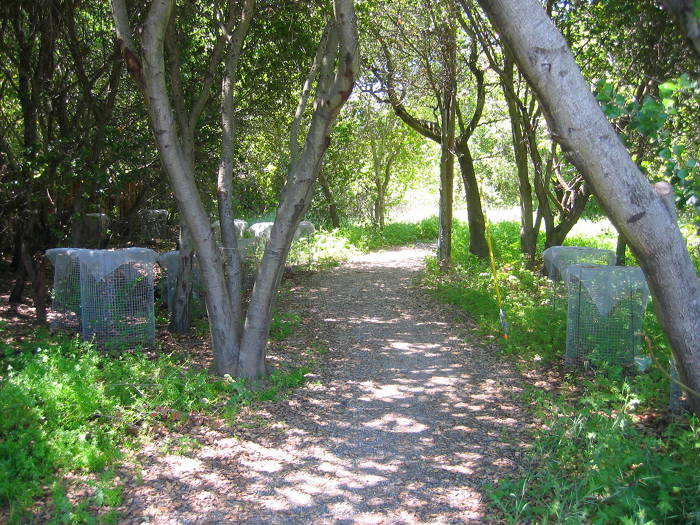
(404, 421)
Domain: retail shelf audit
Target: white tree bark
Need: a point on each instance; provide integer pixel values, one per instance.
(645, 215)
(235, 352)
(338, 69)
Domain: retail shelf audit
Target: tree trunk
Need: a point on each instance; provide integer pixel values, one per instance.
(333, 89)
(555, 235)
(528, 236)
(645, 215)
(336, 79)
(445, 215)
(475, 213)
(18, 288)
(180, 305)
(34, 271)
(448, 101)
(178, 169)
(229, 237)
(380, 207)
(330, 201)
(620, 250)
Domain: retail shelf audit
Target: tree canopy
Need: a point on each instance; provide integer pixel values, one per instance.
(216, 110)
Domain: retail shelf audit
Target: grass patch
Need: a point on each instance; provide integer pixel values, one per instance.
(283, 325)
(326, 249)
(606, 449)
(367, 238)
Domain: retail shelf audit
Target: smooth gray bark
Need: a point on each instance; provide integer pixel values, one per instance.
(150, 72)
(229, 237)
(338, 69)
(174, 131)
(645, 215)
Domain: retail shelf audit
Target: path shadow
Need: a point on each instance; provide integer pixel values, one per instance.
(408, 424)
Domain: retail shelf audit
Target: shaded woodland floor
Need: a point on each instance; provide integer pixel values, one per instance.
(404, 418)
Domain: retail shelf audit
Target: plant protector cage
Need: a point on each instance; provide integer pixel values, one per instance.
(66, 288)
(170, 262)
(606, 306)
(108, 293)
(154, 224)
(90, 230)
(558, 258)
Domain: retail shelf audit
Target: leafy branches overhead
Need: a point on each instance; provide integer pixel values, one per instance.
(652, 119)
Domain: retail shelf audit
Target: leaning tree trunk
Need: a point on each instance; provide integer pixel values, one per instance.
(645, 215)
(528, 236)
(475, 212)
(336, 79)
(337, 73)
(181, 179)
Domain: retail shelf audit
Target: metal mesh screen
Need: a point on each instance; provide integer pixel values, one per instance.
(109, 292)
(154, 224)
(558, 258)
(66, 289)
(606, 307)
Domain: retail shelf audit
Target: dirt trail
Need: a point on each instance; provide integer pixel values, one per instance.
(405, 422)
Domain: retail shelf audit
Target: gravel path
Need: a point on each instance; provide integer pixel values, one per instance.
(405, 421)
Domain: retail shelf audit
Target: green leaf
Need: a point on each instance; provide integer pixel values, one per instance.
(667, 89)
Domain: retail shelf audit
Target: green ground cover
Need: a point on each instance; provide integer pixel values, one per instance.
(69, 408)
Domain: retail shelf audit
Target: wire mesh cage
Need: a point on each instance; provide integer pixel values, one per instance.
(606, 306)
(66, 289)
(108, 293)
(170, 262)
(558, 258)
(153, 224)
(89, 230)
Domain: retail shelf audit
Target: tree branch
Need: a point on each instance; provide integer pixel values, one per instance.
(126, 42)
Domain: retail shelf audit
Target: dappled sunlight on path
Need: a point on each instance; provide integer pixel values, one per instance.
(405, 423)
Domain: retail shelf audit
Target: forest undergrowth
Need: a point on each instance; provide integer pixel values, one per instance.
(71, 409)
